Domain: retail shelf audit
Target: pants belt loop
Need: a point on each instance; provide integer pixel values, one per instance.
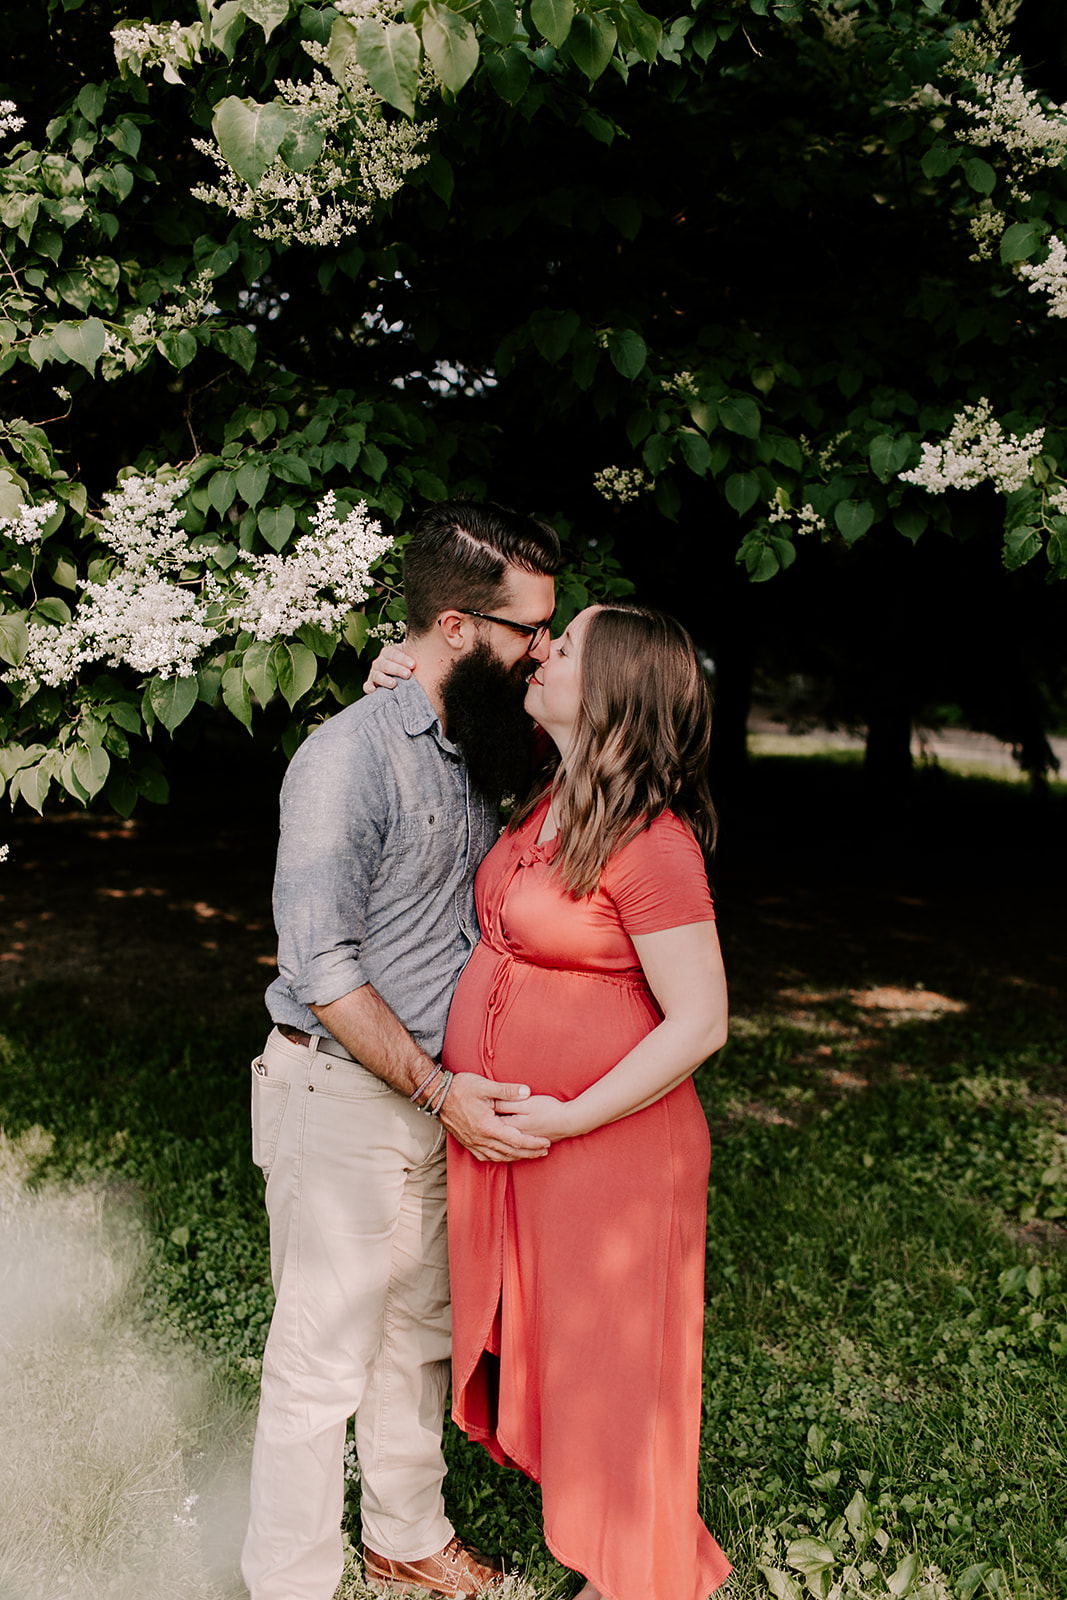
(313, 1043)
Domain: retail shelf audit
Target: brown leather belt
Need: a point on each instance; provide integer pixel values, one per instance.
(326, 1042)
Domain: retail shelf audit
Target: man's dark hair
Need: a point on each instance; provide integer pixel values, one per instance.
(459, 554)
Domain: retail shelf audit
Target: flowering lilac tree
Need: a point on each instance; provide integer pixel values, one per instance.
(778, 275)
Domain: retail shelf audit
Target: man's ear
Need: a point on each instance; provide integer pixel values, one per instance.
(455, 629)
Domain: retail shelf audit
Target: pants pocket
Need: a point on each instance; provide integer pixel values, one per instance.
(268, 1107)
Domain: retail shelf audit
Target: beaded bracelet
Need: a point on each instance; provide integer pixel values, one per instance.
(425, 1085)
(433, 1106)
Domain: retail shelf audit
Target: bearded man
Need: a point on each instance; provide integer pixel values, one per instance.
(386, 813)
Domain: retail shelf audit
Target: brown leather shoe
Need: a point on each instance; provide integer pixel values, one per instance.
(453, 1572)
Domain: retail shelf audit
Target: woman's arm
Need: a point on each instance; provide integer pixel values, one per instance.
(684, 971)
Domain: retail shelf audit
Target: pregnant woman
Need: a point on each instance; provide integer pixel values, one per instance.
(578, 1280)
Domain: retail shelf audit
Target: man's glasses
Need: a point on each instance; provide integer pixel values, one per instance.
(534, 631)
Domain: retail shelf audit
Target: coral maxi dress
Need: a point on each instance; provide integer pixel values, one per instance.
(578, 1278)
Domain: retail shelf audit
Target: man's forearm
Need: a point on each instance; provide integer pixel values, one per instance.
(376, 1037)
(378, 1040)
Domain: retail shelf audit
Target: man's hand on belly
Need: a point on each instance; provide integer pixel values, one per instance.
(470, 1115)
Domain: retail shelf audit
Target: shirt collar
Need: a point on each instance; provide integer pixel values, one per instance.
(417, 714)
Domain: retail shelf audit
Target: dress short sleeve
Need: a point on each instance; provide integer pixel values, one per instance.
(659, 880)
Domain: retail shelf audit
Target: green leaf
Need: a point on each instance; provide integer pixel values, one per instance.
(815, 1560)
(356, 630)
(902, 1579)
(276, 523)
(1021, 240)
(1020, 547)
(297, 668)
(259, 670)
(83, 342)
(178, 346)
(980, 175)
(939, 159)
(126, 137)
(302, 145)
(53, 609)
(91, 767)
(741, 415)
(227, 25)
(222, 491)
(696, 452)
(344, 37)
(628, 352)
(552, 19)
(499, 18)
(591, 42)
(390, 57)
(657, 453)
(11, 495)
(250, 135)
(451, 44)
(645, 31)
(853, 518)
(92, 97)
(742, 491)
(373, 462)
(235, 696)
(291, 469)
(252, 480)
(553, 332)
(509, 73)
(32, 784)
(781, 1585)
(888, 455)
(911, 524)
(239, 343)
(270, 14)
(14, 637)
(172, 699)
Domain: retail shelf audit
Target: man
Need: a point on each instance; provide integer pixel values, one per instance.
(387, 811)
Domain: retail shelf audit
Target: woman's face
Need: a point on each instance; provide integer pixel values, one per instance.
(554, 694)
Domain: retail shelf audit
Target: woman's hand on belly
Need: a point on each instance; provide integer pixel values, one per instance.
(541, 1115)
(471, 1113)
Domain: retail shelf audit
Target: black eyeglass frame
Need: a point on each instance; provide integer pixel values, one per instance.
(534, 631)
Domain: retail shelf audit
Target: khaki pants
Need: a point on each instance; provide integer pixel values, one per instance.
(361, 1326)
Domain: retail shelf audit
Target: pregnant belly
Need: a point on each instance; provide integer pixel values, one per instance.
(558, 1030)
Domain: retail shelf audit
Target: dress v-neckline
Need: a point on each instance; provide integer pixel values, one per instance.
(540, 839)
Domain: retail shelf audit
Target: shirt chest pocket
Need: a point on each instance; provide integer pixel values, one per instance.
(427, 846)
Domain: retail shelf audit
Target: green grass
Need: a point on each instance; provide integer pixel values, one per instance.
(886, 1335)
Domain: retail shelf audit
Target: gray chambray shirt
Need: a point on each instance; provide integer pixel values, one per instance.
(381, 836)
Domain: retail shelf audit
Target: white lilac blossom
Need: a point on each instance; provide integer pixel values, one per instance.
(683, 384)
(10, 121)
(1049, 276)
(143, 616)
(150, 44)
(364, 160)
(142, 525)
(4, 848)
(1009, 114)
(977, 450)
(27, 525)
(622, 483)
(802, 519)
(326, 575)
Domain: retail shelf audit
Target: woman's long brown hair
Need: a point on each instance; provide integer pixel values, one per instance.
(641, 746)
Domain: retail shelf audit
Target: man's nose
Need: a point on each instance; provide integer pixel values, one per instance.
(540, 648)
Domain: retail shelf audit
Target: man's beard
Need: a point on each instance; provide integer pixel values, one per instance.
(485, 720)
